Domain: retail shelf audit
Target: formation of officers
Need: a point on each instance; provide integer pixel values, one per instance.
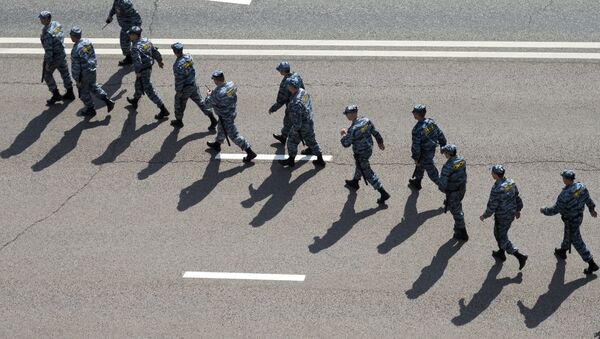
(504, 203)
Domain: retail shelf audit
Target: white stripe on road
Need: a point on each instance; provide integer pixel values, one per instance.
(244, 276)
(238, 2)
(349, 53)
(341, 43)
(269, 157)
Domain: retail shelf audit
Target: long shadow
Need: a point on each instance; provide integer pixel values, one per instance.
(68, 143)
(549, 302)
(348, 218)
(490, 290)
(168, 151)
(113, 84)
(431, 274)
(126, 138)
(279, 188)
(409, 224)
(199, 190)
(33, 130)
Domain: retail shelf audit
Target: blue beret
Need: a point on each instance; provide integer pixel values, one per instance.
(498, 169)
(450, 149)
(76, 31)
(569, 174)
(217, 74)
(178, 46)
(419, 109)
(351, 109)
(283, 66)
(135, 30)
(45, 15)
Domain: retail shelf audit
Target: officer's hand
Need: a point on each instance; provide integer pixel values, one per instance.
(542, 210)
(271, 111)
(517, 214)
(161, 64)
(208, 93)
(179, 94)
(343, 132)
(381, 147)
(481, 218)
(109, 19)
(594, 214)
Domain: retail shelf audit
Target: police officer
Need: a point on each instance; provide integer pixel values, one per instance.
(302, 116)
(506, 205)
(223, 100)
(143, 54)
(360, 137)
(453, 182)
(186, 87)
(55, 58)
(570, 204)
(283, 98)
(83, 68)
(127, 17)
(426, 135)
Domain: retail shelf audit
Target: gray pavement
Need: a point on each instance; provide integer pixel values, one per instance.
(100, 218)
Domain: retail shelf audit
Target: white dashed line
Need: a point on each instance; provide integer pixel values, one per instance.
(238, 2)
(244, 276)
(269, 157)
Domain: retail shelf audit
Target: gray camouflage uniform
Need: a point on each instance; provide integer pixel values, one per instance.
(223, 101)
(185, 83)
(127, 17)
(283, 98)
(143, 54)
(453, 182)
(360, 136)
(504, 203)
(426, 136)
(302, 116)
(83, 68)
(52, 38)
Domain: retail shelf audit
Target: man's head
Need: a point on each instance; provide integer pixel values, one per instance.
(568, 177)
(177, 49)
(134, 33)
(498, 172)
(75, 34)
(351, 112)
(419, 112)
(283, 68)
(293, 85)
(45, 17)
(449, 151)
(218, 77)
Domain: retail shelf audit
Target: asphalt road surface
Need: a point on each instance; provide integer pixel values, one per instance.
(100, 218)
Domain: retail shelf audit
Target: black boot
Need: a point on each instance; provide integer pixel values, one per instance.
(499, 254)
(163, 114)
(282, 138)
(319, 161)
(384, 196)
(214, 145)
(290, 161)
(133, 102)
(56, 97)
(592, 268)
(461, 234)
(126, 61)
(522, 259)
(560, 253)
(352, 184)
(177, 123)
(213, 123)
(306, 151)
(69, 95)
(89, 112)
(109, 104)
(414, 183)
(249, 155)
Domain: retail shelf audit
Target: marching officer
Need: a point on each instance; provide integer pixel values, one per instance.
(127, 17)
(453, 182)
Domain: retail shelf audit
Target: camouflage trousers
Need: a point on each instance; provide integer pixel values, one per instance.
(454, 201)
(227, 124)
(363, 167)
(89, 87)
(426, 164)
(287, 123)
(143, 85)
(501, 227)
(63, 69)
(572, 236)
(190, 92)
(306, 133)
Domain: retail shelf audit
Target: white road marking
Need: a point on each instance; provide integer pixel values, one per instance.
(244, 276)
(269, 157)
(341, 43)
(238, 2)
(349, 53)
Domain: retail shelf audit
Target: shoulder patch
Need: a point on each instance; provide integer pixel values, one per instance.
(458, 165)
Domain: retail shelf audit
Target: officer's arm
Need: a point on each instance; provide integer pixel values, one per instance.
(136, 58)
(376, 134)
(156, 54)
(301, 82)
(76, 67)
(553, 210)
(443, 181)
(348, 138)
(113, 10)
(296, 116)
(441, 137)
(283, 96)
(589, 202)
(179, 78)
(210, 100)
(416, 145)
(492, 204)
(519, 200)
(48, 43)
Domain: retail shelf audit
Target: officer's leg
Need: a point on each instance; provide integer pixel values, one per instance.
(455, 206)
(63, 68)
(497, 232)
(429, 166)
(85, 94)
(235, 136)
(577, 241)
(504, 242)
(180, 103)
(125, 42)
(96, 89)
(292, 144)
(49, 78)
(287, 123)
(220, 138)
(139, 88)
(308, 132)
(566, 237)
(369, 174)
(194, 95)
(149, 89)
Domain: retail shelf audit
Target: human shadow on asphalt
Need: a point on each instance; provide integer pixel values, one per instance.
(33, 130)
(278, 187)
(128, 134)
(348, 218)
(68, 142)
(168, 151)
(490, 290)
(196, 192)
(431, 274)
(409, 224)
(113, 84)
(549, 302)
